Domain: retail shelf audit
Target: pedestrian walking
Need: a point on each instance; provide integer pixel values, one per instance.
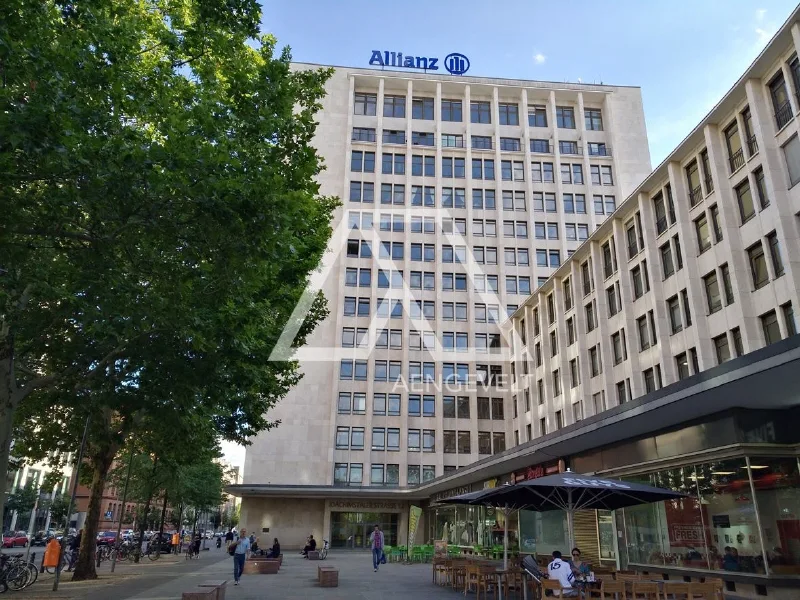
(376, 543)
(75, 548)
(241, 551)
(176, 542)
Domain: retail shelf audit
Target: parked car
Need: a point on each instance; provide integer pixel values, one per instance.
(166, 542)
(106, 538)
(15, 538)
(41, 537)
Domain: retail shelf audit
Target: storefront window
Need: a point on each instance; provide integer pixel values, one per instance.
(716, 528)
(462, 525)
(778, 497)
(543, 532)
(605, 531)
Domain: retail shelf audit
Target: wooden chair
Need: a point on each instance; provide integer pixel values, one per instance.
(555, 586)
(626, 576)
(513, 578)
(440, 571)
(674, 590)
(610, 590)
(535, 591)
(458, 573)
(703, 591)
(645, 589)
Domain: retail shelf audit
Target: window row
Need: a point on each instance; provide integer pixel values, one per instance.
(455, 373)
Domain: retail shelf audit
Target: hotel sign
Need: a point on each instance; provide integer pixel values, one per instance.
(454, 63)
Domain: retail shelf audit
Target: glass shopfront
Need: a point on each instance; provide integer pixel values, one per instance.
(743, 516)
(352, 529)
(469, 525)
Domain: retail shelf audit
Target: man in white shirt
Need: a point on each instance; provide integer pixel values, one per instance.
(240, 554)
(561, 571)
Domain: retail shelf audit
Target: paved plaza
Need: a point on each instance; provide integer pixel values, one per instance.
(166, 579)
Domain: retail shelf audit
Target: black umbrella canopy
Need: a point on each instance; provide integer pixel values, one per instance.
(572, 491)
(470, 498)
(485, 497)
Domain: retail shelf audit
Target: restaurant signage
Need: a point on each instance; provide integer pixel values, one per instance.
(537, 471)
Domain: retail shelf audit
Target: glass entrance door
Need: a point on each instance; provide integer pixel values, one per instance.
(352, 529)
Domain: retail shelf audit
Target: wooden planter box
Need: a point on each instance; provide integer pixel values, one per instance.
(200, 593)
(218, 585)
(261, 566)
(328, 576)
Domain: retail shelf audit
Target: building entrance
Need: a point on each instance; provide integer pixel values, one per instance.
(352, 529)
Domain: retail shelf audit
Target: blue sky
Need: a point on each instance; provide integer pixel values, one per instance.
(683, 54)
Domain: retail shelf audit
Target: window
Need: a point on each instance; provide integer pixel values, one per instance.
(770, 327)
(340, 474)
(537, 116)
(594, 119)
(703, 234)
(412, 475)
(451, 110)
(682, 365)
(715, 226)
(483, 169)
(641, 285)
(667, 265)
(788, 316)
(693, 181)
(484, 442)
(775, 254)
(674, 311)
(780, 100)
(480, 112)
(565, 117)
(393, 163)
(362, 161)
(570, 331)
(758, 265)
(481, 142)
(365, 104)
(394, 106)
(721, 348)
(567, 147)
(428, 440)
(540, 147)
(509, 113)
(713, 298)
(422, 108)
(726, 284)
(618, 347)
(737, 341)
(362, 192)
(510, 144)
(595, 366)
(709, 181)
(452, 140)
(733, 143)
(791, 154)
(598, 149)
(394, 137)
(613, 298)
(423, 165)
(609, 260)
(363, 134)
(591, 323)
(652, 379)
(761, 187)
(422, 138)
(660, 212)
(745, 199)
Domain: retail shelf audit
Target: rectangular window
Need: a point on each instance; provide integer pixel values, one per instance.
(451, 111)
(422, 108)
(394, 106)
(365, 104)
(509, 113)
(788, 316)
(481, 142)
(537, 116)
(568, 147)
(758, 265)
(594, 119)
(761, 188)
(423, 138)
(770, 327)
(745, 200)
(565, 117)
(721, 348)
(775, 254)
(480, 112)
(394, 137)
(780, 100)
(713, 297)
(363, 134)
(667, 265)
(509, 144)
(703, 234)
(791, 154)
(539, 147)
(708, 180)
(452, 140)
(674, 312)
(726, 284)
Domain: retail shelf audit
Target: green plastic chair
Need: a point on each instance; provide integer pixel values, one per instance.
(417, 554)
(398, 554)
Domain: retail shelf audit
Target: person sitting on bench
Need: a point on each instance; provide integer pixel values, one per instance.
(275, 551)
(311, 545)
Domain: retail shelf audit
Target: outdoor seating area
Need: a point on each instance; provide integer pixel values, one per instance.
(487, 577)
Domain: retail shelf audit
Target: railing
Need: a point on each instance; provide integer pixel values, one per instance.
(752, 145)
(510, 147)
(736, 160)
(364, 136)
(394, 139)
(453, 143)
(709, 184)
(783, 114)
(572, 151)
(600, 151)
(482, 144)
(695, 196)
(539, 149)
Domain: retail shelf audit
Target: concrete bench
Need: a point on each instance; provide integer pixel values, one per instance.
(200, 593)
(313, 555)
(328, 576)
(261, 566)
(218, 585)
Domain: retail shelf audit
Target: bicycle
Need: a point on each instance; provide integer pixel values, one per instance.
(15, 573)
(324, 552)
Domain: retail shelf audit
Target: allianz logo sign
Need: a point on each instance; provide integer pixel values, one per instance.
(454, 63)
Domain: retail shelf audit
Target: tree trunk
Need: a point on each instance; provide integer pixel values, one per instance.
(100, 461)
(161, 527)
(7, 407)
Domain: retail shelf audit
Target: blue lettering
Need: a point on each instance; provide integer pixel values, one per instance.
(432, 64)
(409, 62)
(422, 62)
(376, 58)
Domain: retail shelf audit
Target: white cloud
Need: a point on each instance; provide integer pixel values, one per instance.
(763, 35)
(539, 58)
(760, 14)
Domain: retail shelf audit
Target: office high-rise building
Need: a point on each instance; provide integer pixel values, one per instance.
(460, 195)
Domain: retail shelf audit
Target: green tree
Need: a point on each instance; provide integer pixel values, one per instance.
(58, 508)
(22, 500)
(160, 219)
